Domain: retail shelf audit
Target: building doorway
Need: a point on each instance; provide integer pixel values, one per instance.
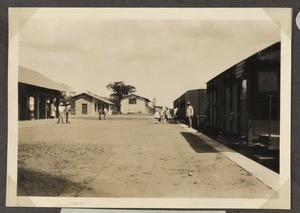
(84, 109)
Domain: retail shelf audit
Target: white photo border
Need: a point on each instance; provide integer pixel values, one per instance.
(282, 16)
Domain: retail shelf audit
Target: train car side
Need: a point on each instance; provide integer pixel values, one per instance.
(197, 98)
(243, 102)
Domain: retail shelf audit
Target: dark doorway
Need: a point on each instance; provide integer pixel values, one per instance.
(84, 109)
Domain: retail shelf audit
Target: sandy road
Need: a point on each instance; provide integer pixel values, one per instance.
(121, 158)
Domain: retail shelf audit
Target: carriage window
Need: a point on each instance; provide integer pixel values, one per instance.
(267, 82)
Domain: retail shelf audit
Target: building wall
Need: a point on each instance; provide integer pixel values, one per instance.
(93, 105)
(100, 105)
(140, 106)
(78, 106)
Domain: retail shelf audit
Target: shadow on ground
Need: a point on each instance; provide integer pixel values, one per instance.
(36, 183)
(197, 144)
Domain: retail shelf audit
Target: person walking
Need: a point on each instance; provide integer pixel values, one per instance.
(104, 113)
(189, 113)
(61, 110)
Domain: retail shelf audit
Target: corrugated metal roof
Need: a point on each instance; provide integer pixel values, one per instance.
(96, 97)
(31, 77)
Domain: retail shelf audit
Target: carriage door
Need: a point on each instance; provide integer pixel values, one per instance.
(243, 108)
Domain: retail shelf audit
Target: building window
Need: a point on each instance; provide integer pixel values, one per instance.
(132, 100)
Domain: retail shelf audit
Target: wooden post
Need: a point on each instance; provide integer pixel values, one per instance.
(45, 106)
(27, 112)
(36, 106)
(57, 106)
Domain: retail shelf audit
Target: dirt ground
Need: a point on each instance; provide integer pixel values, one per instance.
(126, 158)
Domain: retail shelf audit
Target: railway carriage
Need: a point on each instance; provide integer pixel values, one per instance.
(243, 102)
(197, 98)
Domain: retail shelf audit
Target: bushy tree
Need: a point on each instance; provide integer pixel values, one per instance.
(120, 89)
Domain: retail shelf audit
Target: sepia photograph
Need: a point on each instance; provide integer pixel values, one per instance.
(144, 107)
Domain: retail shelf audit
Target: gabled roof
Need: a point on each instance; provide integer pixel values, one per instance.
(127, 96)
(96, 97)
(31, 77)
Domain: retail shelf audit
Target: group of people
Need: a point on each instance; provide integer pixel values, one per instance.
(102, 113)
(64, 113)
(163, 114)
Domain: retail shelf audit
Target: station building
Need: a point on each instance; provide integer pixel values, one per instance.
(38, 96)
(89, 104)
(135, 104)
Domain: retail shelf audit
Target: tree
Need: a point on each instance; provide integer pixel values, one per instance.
(67, 94)
(120, 89)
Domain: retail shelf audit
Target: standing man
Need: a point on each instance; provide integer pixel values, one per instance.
(68, 111)
(62, 111)
(100, 113)
(189, 113)
(162, 115)
(156, 115)
(168, 115)
(175, 115)
(104, 113)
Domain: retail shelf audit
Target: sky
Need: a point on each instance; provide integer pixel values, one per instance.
(161, 58)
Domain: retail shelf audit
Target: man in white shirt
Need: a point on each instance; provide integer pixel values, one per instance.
(62, 111)
(189, 113)
(104, 113)
(175, 114)
(68, 112)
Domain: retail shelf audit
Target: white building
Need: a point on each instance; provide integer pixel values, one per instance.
(135, 104)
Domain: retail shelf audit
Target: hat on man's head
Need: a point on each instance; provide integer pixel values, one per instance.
(67, 103)
(61, 104)
(188, 103)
